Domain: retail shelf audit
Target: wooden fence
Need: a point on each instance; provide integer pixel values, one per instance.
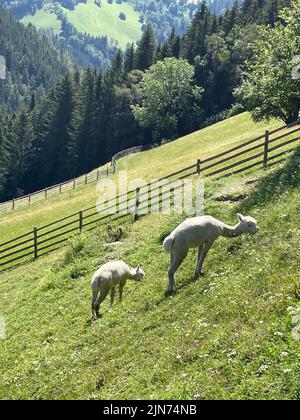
(70, 185)
(268, 149)
(93, 176)
(32, 198)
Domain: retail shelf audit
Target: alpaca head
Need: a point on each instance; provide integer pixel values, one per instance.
(138, 274)
(249, 224)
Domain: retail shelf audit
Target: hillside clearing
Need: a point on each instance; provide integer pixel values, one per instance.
(105, 20)
(94, 20)
(43, 20)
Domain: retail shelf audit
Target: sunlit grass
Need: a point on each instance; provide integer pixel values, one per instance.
(227, 335)
(147, 165)
(43, 20)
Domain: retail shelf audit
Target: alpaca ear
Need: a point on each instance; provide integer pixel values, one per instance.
(138, 269)
(240, 217)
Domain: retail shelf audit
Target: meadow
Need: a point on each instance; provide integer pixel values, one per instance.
(94, 20)
(148, 165)
(229, 335)
(89, 18)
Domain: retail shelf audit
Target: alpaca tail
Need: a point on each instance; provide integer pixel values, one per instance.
(168, 244)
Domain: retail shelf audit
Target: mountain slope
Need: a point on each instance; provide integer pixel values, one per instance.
(33, 64)
(119, 21)
(89, 30)
(148, 165)
(93, 20)
(228, 335)
(106, 20)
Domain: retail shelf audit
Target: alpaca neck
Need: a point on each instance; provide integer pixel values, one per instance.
(232, 231)
(132, 275)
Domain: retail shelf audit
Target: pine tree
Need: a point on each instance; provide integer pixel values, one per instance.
(146, 51)
(273, 12)
(116, 71)
(55, 116)
(129, 60)
(232, 17)
(17, 150)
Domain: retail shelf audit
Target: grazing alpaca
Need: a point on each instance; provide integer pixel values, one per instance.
(105, 280)
(201, 232)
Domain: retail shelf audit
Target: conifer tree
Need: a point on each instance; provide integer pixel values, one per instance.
(146, 51)
(129, 60)
(17, 151)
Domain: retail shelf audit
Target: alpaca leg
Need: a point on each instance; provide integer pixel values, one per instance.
(172, 258)
(121, 288)
(198, 265)
(176, 263)
(103, 294)
(204, 253)
(112, 296)
(94, 303)
(120, 293)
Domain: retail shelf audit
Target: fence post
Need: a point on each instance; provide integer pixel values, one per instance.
(86, 179)
(29, 199)
(35, 242)
(74, 183)
(46, 192)
(107, 171)
(198, 166)
(137, 204)
(97, 174)
(80, 221)
(266, 151)
(13, 203)
(60, 189)
(172, 197)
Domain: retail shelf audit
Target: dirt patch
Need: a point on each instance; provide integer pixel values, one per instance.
(231, 198)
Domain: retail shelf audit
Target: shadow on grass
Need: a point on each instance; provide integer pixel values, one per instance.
(169, 293)
(272, 186)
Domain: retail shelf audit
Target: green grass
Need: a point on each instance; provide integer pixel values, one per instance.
(43, 20)
(226, 336)
(97, 21)
(93, 20)
(148, 165)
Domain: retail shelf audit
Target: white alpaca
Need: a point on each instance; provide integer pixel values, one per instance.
(201, 232)
(105, 280)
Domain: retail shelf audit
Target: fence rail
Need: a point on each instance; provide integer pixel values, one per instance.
(44, 239)
(70, 185)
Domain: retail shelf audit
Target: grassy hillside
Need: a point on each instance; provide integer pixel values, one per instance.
(43, 20)
(148, 165)
(94, 20)
(226, 336)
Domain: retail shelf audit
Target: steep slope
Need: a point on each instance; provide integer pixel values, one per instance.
(148, 165)
(228, 335)
(118, 21)
(33, 65)
(89, 31)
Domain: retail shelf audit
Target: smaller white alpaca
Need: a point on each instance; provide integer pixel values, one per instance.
(105, 280)
(201, 232)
